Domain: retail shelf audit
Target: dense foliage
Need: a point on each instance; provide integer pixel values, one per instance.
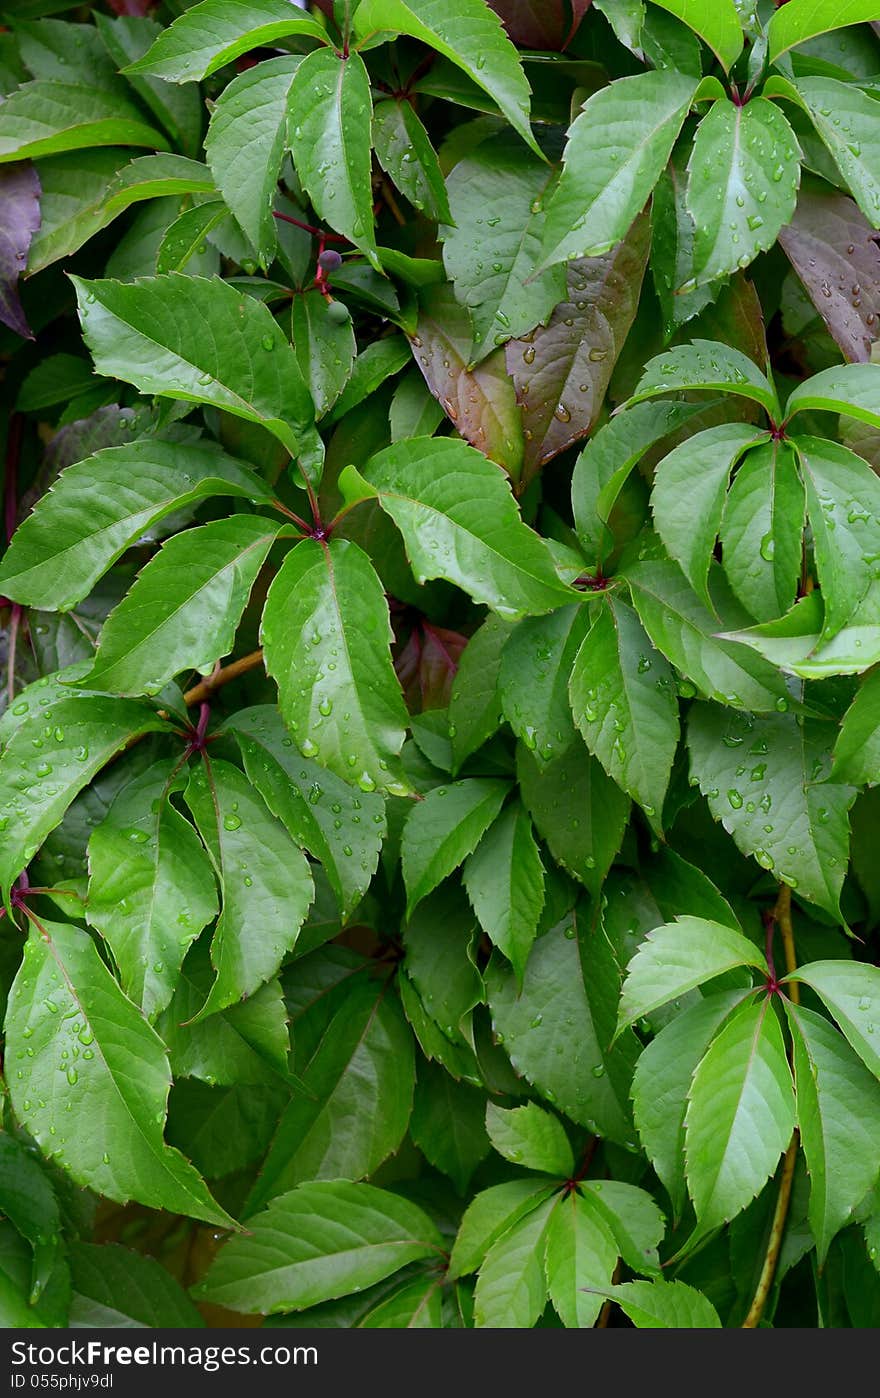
(442, 656)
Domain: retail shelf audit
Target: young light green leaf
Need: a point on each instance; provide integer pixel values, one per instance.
(718, 25)
(321, 1240)
(698, 469)
(838, 1106)
(533, 679)
(851, 992)
(801, 20)
(576, 808)
(744, 174)
(342, 828)
(504, 879)
(511, 1288)
(151, 888)
(102, 505)
(200, 340)
(492, 260)
(685, 632)
(664, 1305)
(635, 1220)
(850, 389)
(843, 503)
(623, 701)
(245, 144)
(857, 750)
(154, 176)
(558, 1028)
(460, 522)
(469, 34)
(52, 756)
(184, 609)
(404, 150)
(762, 530)
(766, 780)
(326, 607)
(845, 118)
(617, 148)
(679, 957)
(581, 1254)
(330, 112)
(530, 1136)
(443, 829)
(710, 367)
(740, 1115)
(211, 34)
(66, 1002)
(47, 117)
(491, 1214)
(263, 907)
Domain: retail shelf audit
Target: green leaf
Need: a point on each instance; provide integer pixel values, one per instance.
(342, 828)
(28, 1201)
(153, 176)
(52, 756)
(664, 1305)
(850, 389)
(838, 1105)
(184, 608)
(330, 112)
(72, 203)
(459, 521)
(801, 20)
(581, 1254)
(47, 117)
(127, 39)
(264, 907)
(442, 829)
(475, 706)
(489, 1216)
(440, 961)
(857, 750)
(844, 117)
(843, 503)
(558, 1028)
(561, 372)
(209, 35)
(708, 366)
(492, 257)
(415, 1306)
(676, 958)
(469, 34)
(744, 174)
(404, 150)
(533, 679)
(576, 808)
(617, 148)
(511, 1288)
(851, 992)
(531, 1137)
(118, 1288)
(186, 235)
(325, 346)
(326, 607)
(102, 505)
(661, 1084)
(65, 1002)
(504, 878)
(740, 1115)
(379, 361)
(623, 701)
(151, 888)
(762, 529)
(718, 26)
(698, 469)
(200, 340)
(685, 632)
(355, 1061)
(448, 1124)
(245, 145)
(766, 780)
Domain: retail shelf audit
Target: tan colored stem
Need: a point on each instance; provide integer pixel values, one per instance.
(202, 691)
(782, 917)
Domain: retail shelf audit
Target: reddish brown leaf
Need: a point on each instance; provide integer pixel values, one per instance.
(19, 221)
(561, 371)
(427, 665)
(480, 402)
(832, 247)
(540, 24)
(132, 7)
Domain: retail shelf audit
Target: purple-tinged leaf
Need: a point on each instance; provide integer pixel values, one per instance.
(562, 371)
(540, 24)
(832, 247)
(19, 220)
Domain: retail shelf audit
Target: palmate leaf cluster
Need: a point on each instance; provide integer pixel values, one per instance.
(441, 729)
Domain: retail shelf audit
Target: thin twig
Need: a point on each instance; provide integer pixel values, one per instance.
(203, 691)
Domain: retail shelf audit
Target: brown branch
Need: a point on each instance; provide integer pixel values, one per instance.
(200, 692)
